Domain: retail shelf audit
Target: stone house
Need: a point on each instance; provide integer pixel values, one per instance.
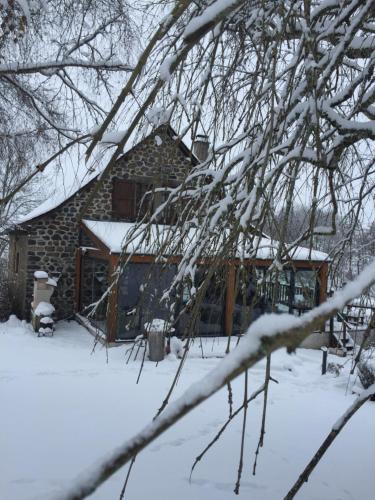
(78, 240)
(48, 238)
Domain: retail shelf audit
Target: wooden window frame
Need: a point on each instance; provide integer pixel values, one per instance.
(136, 190)
(16, 263)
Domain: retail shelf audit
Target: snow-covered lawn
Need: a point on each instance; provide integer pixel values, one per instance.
(64, 407)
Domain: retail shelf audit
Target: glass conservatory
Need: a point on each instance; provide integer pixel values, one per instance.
(228, 304)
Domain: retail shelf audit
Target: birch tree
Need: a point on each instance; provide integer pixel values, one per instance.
(285, 92)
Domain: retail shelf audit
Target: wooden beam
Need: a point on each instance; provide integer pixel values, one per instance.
(229, 299)
(94, 253)
(323, 282)
(305, 264)
(94, 238)
(149, 259)
(112, 301)
(77, 291)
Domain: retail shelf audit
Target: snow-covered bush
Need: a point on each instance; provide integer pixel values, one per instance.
(334, 368)
(175, 347)
(366, 370)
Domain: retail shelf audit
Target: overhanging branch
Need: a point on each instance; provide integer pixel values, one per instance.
(267, 334)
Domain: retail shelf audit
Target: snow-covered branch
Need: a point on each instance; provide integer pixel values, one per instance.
(47, 68)
(268, 333)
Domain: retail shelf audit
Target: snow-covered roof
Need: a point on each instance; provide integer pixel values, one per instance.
(83, 175)
(115, 234)
(60, 196)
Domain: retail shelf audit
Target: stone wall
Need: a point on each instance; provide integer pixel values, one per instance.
(147, 161)
(52, 244)
(17, 275)
(54, 237)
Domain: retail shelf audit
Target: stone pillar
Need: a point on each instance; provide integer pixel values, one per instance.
(43, 288)
(41, 305)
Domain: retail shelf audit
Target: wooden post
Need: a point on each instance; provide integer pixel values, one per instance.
(77, 297)
(229, 299)
(331, 326)
(323, 282)
(324, 360)
(344, 337)
(112, 301)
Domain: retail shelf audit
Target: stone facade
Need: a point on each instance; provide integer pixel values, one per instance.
(18, 261)
(49, 241)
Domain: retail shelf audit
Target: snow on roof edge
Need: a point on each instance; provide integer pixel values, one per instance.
(54, 202)
(113, 234)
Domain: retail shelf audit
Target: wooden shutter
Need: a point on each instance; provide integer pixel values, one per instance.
(124, 199)
(143, 201)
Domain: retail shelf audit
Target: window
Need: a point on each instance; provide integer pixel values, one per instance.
(94, 283)
(132, 200)
(253, 297)
(136, 308)
(212, 307)
(305, 290)
(128, 199)
(167, 216)
(123, 199)
(260, 291)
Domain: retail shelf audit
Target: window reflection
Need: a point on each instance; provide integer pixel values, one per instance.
(305, 290)
(211, 311)
(94, 283)
(251, 300)
(277, 288)
(140, 290)
(257, 291)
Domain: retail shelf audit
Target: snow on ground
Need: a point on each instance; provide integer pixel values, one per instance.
(64, 407)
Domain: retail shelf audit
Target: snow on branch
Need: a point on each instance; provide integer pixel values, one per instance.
(267, 334)
(49, 67)
(209, 18)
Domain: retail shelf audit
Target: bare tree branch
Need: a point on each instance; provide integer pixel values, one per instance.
(267, 334)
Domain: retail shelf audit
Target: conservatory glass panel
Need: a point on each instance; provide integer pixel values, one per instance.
(277, 289)
(212, 307)
(250, 300)
(140, 289)
(305, 290)
(94, 283)
(208, 320)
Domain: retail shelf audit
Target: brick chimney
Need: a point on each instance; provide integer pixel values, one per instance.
(200, 147)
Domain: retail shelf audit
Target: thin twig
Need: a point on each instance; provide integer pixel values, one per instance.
(222, 429)
(303, 478)
(240, 463)
(265, 396)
